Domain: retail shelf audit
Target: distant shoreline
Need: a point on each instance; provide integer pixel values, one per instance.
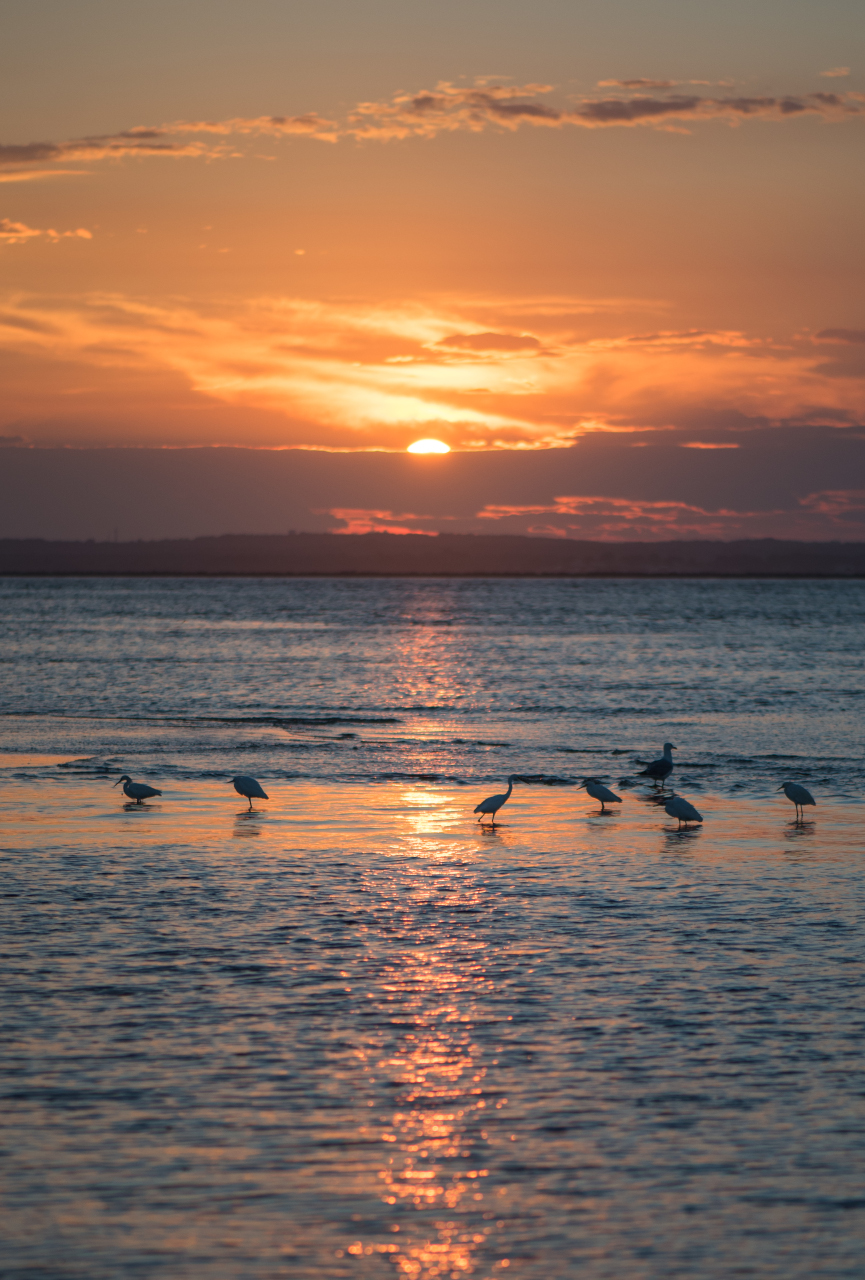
(383, 555)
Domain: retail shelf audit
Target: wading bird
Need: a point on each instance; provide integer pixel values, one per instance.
(679, 808)
(249, 787)
(660, 769)
(492, 804)
(136, 791)
(598, 791)
(799, 795)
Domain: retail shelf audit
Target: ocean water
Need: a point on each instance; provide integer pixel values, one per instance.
(351, 1034)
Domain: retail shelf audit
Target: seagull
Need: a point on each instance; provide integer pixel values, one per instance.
(136, 791)
(679, 808)
(598, 791)
(492, 804)
(249, 787)
(660, 769)
(799, 795)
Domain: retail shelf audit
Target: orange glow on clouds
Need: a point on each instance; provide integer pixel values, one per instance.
(497, 372)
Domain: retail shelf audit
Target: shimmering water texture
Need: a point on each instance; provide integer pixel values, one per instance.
(351, 1034)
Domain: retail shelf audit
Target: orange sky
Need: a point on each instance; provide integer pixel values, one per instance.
(344, 226)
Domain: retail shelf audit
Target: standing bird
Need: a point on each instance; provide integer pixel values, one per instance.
(249, 787)
(660, 769)
(676, 807)
(492, 804)
(799, 795)
(136, 791)
(598, 791)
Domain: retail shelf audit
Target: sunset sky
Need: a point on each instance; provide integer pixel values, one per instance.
(628, 232)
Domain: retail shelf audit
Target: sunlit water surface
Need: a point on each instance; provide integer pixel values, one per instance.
(350, 1034)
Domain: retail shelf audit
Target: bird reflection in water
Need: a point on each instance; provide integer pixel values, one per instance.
(798, 828)
(673, 837)
(246, 824)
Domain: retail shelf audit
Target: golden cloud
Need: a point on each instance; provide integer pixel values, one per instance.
(358, 375)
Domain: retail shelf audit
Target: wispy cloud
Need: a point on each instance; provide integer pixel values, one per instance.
(448, 108)
(19, 233)
(131, 142)
(38, 175)
(309, 126)
(640, 83)
(836, 513)
(836, 73)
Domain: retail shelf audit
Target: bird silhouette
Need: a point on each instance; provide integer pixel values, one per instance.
(598, 791)
(492, 804)
(661, 768)
(678, 807)
(799, 795)
(249, 787)
(136, 791)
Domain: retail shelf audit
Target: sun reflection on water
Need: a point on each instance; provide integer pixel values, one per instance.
(433, 1135)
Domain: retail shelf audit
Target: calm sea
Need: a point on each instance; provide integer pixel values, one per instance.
(351, 1034)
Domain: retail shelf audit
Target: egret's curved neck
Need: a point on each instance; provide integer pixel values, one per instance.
(510, 787)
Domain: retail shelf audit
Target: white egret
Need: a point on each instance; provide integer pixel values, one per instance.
(492, 804)
(249, 787)
(136, 791)
(661, 768)
(799, 795)
(598, 791)
(677, 807)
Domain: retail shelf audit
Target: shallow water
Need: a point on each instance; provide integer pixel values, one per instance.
(352, 1035)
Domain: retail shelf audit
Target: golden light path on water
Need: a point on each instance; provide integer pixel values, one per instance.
(448, 1085)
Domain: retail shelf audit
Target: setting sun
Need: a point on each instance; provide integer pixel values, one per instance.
(429, 446)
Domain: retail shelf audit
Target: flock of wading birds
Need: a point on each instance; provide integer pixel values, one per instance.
(658, 770)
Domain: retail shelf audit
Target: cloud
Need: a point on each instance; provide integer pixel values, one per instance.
(132, 142)
(362, 520)
(37, 175)
(852, 336)
(476, 373)
(638, 84)
(19, 233)
(448, 108)
(836, 73)
(309, 125)
(823, 515)
(490, 342)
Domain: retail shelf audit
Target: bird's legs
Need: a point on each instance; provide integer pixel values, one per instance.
(249, 798)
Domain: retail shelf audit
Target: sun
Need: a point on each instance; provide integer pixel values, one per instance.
(429, 446)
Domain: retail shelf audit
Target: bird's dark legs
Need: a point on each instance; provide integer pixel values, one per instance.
(249, 798)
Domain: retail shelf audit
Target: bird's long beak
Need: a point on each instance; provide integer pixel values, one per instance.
(779, 788)
(118, 782)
